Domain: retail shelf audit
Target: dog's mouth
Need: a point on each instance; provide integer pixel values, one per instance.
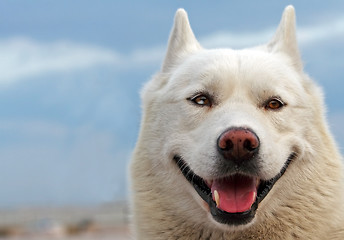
(232, 200)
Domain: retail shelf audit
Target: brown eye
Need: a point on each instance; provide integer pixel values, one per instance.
(201, 100)
(274, 104)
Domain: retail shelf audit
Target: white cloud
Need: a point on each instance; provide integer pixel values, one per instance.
(306, 35)
(317, 33)
(22, 58)
(236, 40)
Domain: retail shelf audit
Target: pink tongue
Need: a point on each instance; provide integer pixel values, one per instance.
(236, 193)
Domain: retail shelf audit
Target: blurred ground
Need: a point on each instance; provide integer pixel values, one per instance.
(118, 234)
(103, 222)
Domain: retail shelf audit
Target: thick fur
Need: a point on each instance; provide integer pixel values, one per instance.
(305, 203)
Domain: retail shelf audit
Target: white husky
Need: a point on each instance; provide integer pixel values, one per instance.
(234, 145)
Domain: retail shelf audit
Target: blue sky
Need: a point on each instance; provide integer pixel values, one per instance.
(71, 73)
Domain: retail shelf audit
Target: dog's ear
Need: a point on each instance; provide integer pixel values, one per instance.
(285, 38)
(182, 41)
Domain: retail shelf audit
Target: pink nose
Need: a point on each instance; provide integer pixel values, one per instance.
(238, 145)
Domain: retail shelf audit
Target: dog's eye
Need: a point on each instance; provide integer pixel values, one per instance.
(201, 100)
(274, 104)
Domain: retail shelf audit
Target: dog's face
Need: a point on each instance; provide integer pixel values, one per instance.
(218, 90)
(229, 120)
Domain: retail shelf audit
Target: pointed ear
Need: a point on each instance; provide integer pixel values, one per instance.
(285, 38)
(182, 41)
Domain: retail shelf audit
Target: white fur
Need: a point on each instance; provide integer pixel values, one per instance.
(306, 203)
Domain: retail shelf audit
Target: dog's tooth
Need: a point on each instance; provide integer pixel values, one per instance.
(217, 198)
(254, 197)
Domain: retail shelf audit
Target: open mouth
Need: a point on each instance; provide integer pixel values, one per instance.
(232, 200)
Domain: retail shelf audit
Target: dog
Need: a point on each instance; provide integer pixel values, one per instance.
(234, 144)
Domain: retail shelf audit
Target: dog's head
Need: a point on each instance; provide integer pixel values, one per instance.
(230, 121)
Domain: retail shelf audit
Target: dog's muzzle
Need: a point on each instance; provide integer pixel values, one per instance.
(233, 199)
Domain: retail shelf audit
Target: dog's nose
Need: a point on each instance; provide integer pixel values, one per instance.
(238, 144)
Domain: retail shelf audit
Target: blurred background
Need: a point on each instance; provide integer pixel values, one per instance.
(70, 76)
